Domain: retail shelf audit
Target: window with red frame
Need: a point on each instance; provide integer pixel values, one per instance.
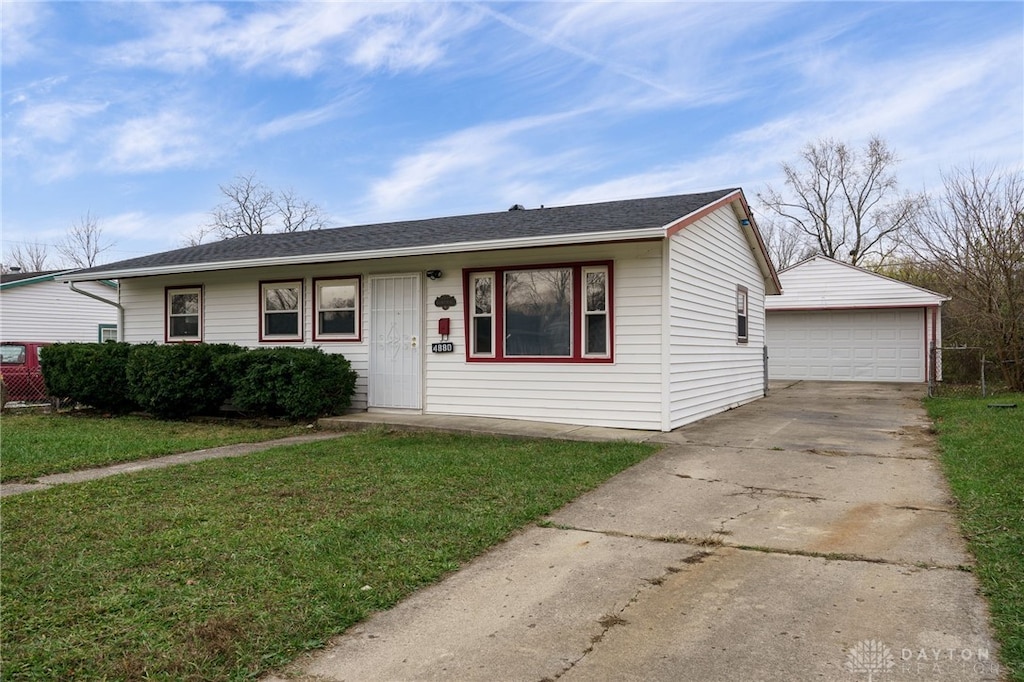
(540, 313)
(281, 315)
(184, 313)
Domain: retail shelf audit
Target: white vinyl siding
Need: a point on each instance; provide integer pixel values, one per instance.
(49, 311)
(848, 345)
(820, 283)
(708, 370)
(626, 393)
(231, 311)
(674, 362)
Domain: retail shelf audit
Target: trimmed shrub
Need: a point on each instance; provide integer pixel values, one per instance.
(90, 374)
(296, 383)
(178, 380)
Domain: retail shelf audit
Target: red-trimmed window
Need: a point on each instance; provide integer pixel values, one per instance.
(337, 310)
(281, 311)
(481, 314)
(741, 315)
(543, 313)
(183, 314)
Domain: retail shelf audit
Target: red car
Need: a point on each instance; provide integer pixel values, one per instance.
(21, 370)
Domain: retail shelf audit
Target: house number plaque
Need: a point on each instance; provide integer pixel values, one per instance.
(445, 302)
(443, 347)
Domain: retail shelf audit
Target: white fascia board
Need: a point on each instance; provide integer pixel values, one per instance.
(461, 247)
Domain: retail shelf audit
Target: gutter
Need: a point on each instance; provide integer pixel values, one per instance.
(120, 308)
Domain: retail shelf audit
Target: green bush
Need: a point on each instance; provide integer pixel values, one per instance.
(90, 374)
(296, 383)
(178, 380)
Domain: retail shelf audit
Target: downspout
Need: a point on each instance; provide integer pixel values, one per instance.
(120, 308)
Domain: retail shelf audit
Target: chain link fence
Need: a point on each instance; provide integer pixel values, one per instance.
(27, 389)
(962, 371)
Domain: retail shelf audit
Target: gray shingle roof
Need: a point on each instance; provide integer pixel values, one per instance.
(612, 216)
(8, 277)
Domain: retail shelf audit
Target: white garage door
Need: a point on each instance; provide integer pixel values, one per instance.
(861, 345)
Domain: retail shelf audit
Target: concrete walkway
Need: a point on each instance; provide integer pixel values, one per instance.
(806, 536)
(237, 450)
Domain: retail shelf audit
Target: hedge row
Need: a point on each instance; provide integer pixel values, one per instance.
(181, 380)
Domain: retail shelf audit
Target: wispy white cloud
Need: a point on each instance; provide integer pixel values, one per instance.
(148, 232)
(667, 54)
(928, 108)
(301, 120)
(21, 25)
(299, 39)
(165, 140)
(491, 156)
(56, 121)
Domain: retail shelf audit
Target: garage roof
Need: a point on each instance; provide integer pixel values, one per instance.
(822, 283)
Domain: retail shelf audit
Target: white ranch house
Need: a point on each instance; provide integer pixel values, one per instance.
(839, 322)
(40, 307)
(644, 314)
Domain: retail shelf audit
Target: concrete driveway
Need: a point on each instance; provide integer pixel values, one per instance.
(807, 536)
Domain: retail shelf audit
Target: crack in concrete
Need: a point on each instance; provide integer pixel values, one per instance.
(713, 540)
(844, 556)
(843, 453)
(777, 492)
(722, 530)
(696, 541)
(825, 452)
(912, 507)
(612, 620)
(756, 490)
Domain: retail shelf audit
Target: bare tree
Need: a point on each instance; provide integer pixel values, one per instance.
(972, 238)
(28, 256)
(298, 214)
(83, 243)
(250, 207)
(785, 245)
(197, 236)
(846, 202)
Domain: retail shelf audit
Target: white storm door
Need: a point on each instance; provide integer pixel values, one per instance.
(395, 365)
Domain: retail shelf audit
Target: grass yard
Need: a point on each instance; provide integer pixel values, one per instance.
(222, 569)
(34, 445)
(983, 456)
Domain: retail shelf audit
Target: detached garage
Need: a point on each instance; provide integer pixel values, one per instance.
(838, 322)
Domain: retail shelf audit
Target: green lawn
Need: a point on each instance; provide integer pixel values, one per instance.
(983, 456)
(222, 569)
(33, 445)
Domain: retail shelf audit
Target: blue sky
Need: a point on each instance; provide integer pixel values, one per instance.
(136, 112)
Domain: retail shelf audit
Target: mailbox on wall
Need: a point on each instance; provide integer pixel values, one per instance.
(444, 328)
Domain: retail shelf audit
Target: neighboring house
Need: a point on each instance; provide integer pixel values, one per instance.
(839, 322)
(643, 314)
(40, 306)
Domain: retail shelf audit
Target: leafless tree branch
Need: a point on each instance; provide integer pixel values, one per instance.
(845, 201)
(82, 245)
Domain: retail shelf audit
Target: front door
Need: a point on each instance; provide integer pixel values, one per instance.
(395, 349)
